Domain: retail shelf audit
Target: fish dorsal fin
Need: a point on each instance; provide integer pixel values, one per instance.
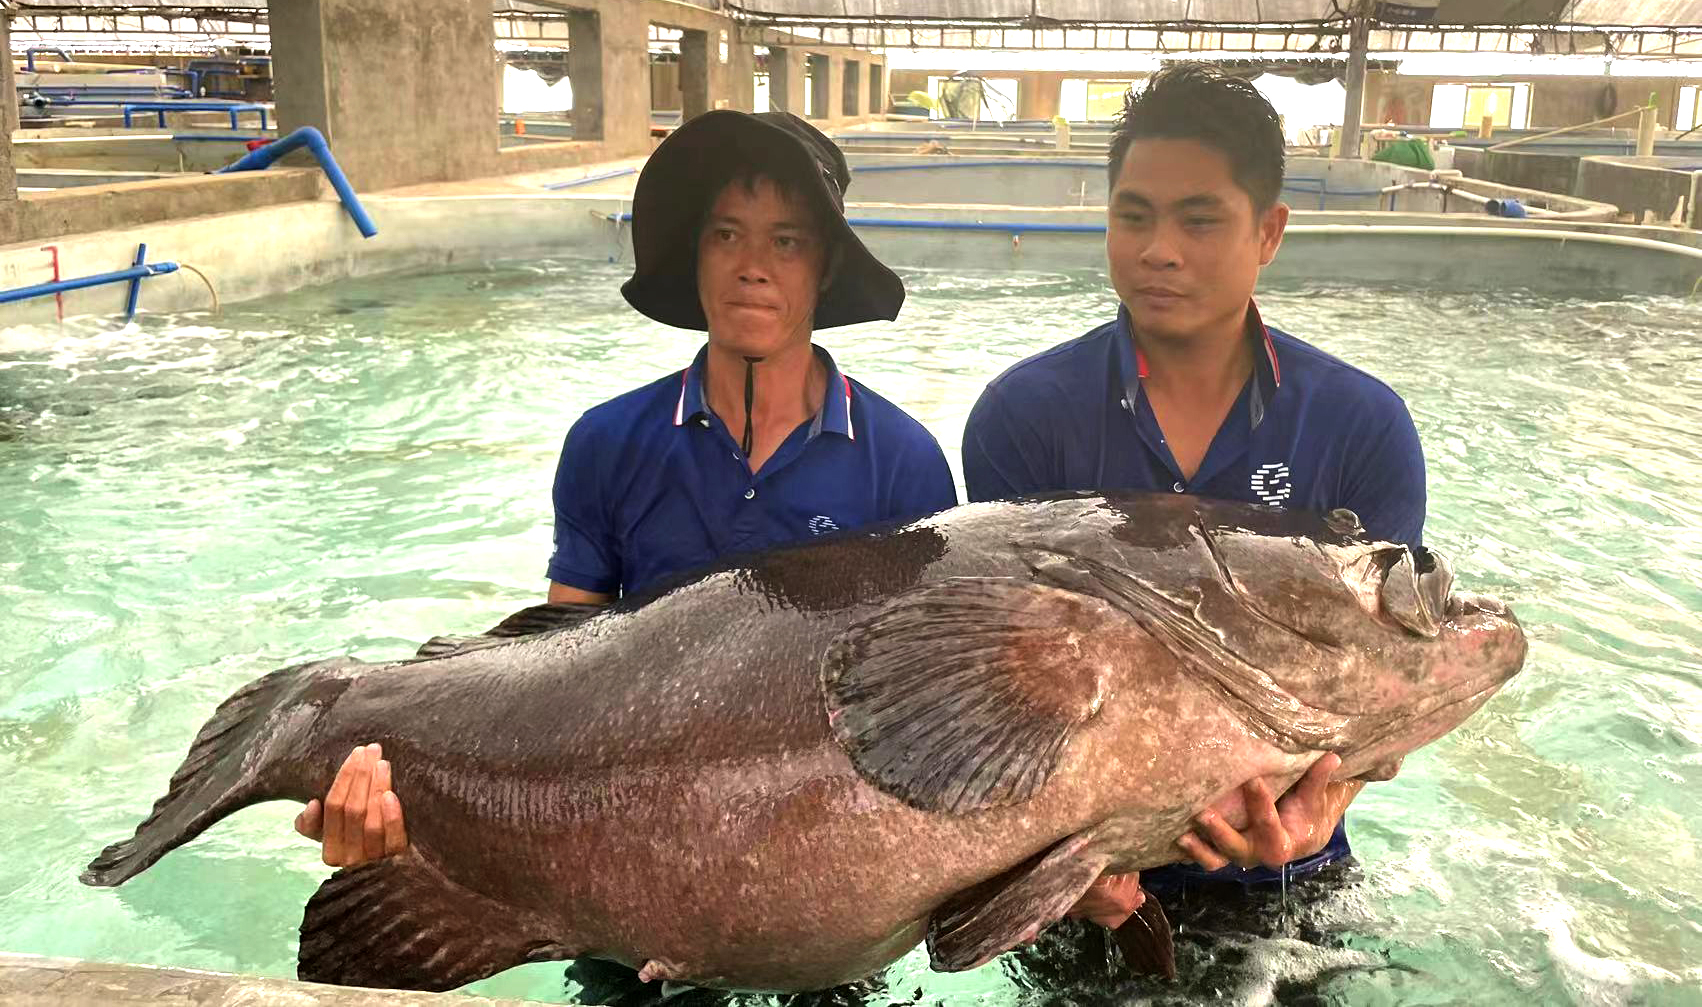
(543, 618)
(975, 926)
(398, 923)
(526, 622)
(961, 695)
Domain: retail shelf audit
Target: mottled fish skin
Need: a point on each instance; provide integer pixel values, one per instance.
(722, 782)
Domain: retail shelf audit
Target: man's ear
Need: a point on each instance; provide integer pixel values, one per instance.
(1272, 224)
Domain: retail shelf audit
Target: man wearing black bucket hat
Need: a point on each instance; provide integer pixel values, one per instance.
(738, 230)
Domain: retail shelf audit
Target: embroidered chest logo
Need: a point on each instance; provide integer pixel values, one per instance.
(821, 524)
(1271, 483)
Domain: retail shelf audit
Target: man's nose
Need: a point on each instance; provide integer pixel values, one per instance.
(1163, 251)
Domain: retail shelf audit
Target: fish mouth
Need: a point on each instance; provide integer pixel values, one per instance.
(1457, 704)
(1461, 605)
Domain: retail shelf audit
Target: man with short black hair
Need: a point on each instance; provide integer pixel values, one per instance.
(1188, 391)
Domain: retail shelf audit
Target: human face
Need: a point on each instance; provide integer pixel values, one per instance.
(759, 270)
(1184, 242)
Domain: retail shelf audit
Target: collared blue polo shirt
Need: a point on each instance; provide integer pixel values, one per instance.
(1308, 431)
(652, 483)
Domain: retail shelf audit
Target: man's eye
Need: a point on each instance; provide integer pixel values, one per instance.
(723, 234)
(786, 241)
(1201, 221)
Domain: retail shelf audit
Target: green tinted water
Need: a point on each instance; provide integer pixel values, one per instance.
(192, 502)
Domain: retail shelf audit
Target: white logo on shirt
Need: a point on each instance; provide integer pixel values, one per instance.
(1271, 483)
(821, 524)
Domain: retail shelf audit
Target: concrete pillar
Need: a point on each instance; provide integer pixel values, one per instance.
(585, 73)
(1353, 112)
(626, 78)
(786, 69)
(1039, 95)
(835, 88)
(402, 89)
(8, 178)
(741, 74)
(694, 74)
(8, 87)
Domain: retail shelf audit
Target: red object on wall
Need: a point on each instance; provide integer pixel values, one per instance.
(256, 144)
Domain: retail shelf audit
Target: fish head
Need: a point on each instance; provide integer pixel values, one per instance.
(1365, 648)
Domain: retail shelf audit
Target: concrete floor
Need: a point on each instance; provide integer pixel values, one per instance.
(31, 981)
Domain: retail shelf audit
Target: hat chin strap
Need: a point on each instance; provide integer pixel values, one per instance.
(750, 399)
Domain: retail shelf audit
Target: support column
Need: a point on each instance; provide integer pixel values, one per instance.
(1039, 95)
(8, 86)
(585, 73)
(694, 74)
(835, 89)
(401, 90)
(626, 77)
(1359, 43)
(741, 73)
(8, 119)
(786, 69)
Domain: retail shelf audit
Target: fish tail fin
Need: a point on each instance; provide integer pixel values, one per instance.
(223, 771)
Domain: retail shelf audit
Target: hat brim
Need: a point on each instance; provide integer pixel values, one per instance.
(673, 192)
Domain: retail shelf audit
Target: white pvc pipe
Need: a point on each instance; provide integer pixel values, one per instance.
(1533, 233)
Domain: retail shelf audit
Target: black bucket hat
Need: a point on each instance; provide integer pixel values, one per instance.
(683, 176)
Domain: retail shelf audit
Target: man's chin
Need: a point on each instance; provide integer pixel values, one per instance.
(1165, 325)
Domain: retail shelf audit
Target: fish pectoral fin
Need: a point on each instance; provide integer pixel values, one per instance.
(977, 925)
(1148, 949)
(526, 622)
(960, 695)
(398, 923)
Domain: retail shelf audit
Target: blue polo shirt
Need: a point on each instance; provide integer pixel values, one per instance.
(1308, 431)
(652, 483)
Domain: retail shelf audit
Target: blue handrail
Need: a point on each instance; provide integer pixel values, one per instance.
(31, 53)
(62, 286)
(162, 107)
(262, 157)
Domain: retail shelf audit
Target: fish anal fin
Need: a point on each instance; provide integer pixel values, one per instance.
(961, 695)
(1145, 940)
(398, 923)
(976, 925)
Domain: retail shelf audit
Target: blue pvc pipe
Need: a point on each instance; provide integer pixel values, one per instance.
(1023, 162)
(162, 107)
(1013, 227)
(30, 55)
(62, 286)
(588, 179)
(135, 285)
(262, 157)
